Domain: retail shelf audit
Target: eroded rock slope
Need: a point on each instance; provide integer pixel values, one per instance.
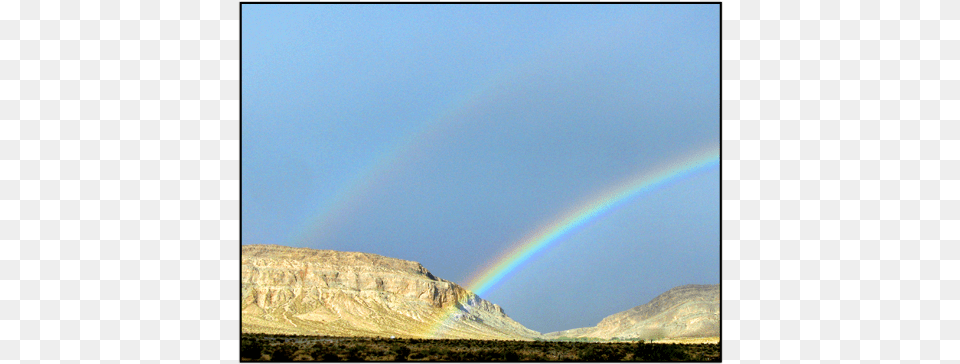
(325, 292)
(684, 311)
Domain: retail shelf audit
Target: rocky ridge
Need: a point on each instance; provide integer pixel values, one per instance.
(324, 292)
(681, 312)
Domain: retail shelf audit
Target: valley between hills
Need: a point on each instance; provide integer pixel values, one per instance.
(301, 291)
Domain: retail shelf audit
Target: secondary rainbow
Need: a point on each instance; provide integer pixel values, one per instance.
(552, 233)
(378, 170)
(374, 174)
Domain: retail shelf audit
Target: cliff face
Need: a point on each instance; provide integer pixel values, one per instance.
(324, 292)
(685, 311)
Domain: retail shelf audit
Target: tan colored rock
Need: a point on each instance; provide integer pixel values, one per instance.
(325, 292)
(682, 312)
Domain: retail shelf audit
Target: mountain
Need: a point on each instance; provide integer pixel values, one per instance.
(324, 292)
(685, 311)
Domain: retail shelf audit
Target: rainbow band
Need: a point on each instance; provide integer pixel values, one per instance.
(530, 246)
(374, 174)
(383, 166)
(526, 249)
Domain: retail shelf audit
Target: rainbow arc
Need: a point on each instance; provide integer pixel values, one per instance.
(526, 248)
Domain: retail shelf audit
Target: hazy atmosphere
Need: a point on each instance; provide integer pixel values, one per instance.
(447, 134)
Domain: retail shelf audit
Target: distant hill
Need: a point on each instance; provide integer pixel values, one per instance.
(685, 311)
(323, 292)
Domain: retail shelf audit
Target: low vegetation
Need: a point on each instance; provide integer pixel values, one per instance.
(262, 347)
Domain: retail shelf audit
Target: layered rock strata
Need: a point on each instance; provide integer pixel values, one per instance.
(324, 292)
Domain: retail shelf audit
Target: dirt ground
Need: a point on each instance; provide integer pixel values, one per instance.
(691, 340)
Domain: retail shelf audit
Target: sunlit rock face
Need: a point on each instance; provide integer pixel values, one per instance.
(685, 311)
(325, 292)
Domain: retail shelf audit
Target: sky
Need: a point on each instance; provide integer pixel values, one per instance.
(447, 134)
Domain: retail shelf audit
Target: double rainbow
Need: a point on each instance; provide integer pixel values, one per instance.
(375, 174)
(526, 248)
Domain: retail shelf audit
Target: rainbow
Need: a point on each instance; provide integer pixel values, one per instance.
(526, 248)
(377, 171)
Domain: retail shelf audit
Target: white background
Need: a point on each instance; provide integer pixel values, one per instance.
(119, 180)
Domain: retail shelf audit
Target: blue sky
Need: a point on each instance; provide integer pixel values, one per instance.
(445, 134)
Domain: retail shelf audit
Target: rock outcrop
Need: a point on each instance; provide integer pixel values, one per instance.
(324, 292)
(685, 311)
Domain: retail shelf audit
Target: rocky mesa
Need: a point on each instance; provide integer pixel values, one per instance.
(324, 292)
(682, 312)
